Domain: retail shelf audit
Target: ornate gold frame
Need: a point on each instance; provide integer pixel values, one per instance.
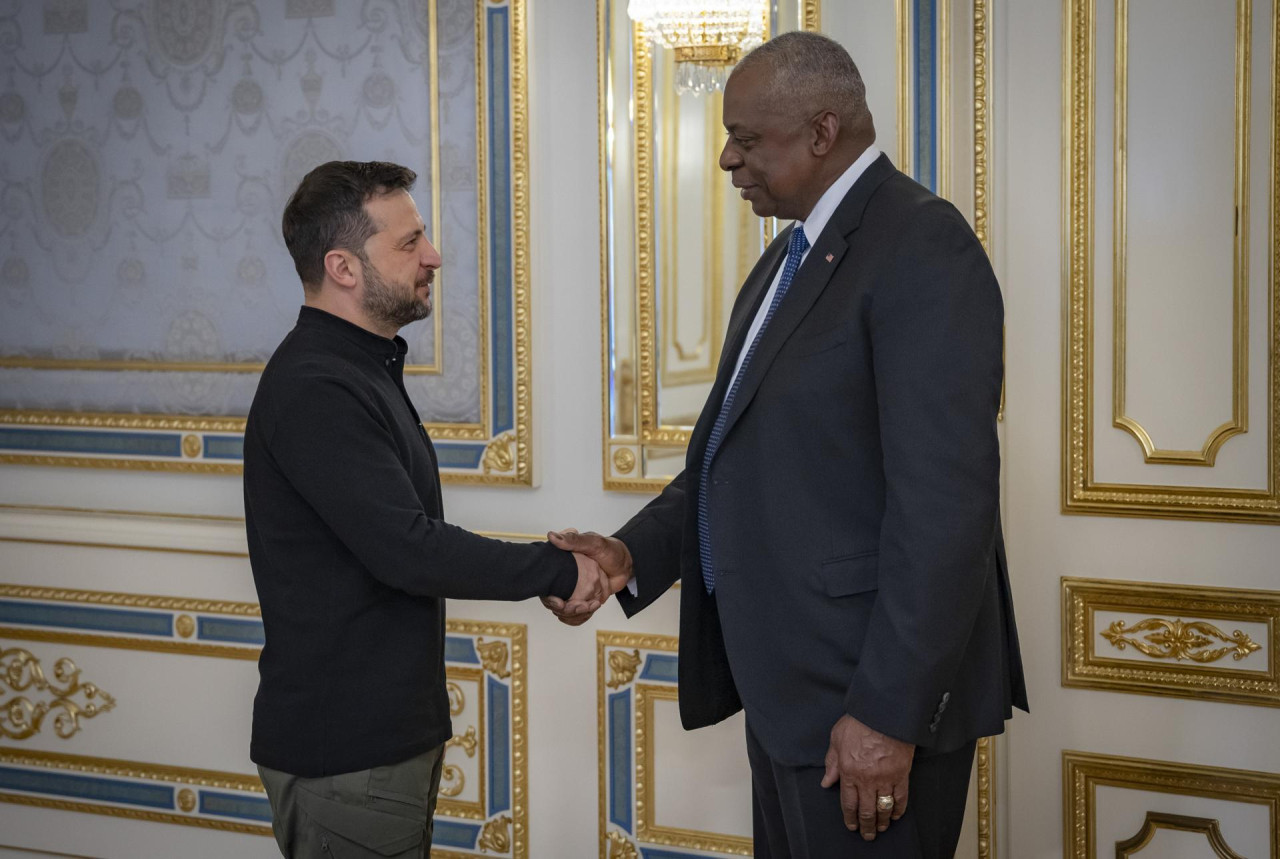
(507, 457)
(1186, 660)
(1239, 421)
(508, 663)
(1083, 773)
(1082, 493)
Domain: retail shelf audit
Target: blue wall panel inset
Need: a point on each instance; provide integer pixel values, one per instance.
(224, 447)
(619, 759)
(85, 617)
(231, 630)
(234, 805)
(450, 833)
(924, 37)
(459, 455)
(660, 667)
(87, 787)
(499, 747)
(459, 649)
(500, 219)
(105, 443)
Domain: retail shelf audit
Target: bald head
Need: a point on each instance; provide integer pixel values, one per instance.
(807, 73)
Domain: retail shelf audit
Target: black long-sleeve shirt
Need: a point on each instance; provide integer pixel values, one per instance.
(352, 559)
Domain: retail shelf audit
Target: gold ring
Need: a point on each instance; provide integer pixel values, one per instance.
(884, 802)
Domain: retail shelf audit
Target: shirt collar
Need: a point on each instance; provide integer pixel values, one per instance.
(375, 344)
(827, 203)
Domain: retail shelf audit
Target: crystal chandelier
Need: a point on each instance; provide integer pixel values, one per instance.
(707, 36)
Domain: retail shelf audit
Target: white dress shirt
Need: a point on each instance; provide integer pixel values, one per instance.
(813, 227)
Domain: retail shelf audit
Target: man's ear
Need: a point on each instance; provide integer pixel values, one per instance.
(824, 128)
(341, 266)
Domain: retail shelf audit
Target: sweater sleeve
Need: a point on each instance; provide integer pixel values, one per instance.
(338, 452)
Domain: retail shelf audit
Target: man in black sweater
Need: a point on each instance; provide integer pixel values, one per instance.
(350, 552)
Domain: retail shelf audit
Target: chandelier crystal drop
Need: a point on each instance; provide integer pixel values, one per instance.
(707, 36)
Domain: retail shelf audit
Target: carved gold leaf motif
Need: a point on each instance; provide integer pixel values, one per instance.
(1178, 639)
(620, 847)
(457, 701)
(622, 666)
(496, 835)
(499, 455)
(467, 742)
(21, 717)
(452, 781)
(493, 655)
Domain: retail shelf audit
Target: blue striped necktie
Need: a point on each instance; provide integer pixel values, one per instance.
(795, 251)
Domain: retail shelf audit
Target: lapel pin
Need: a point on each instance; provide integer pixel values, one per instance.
(830, 257)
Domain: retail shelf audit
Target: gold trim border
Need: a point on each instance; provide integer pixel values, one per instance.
(517, 635)
(1081, 493)
(1083, 668)
(1084, 772)
(1239, 421)
(647, 830)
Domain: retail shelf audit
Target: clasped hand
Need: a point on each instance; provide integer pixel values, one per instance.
(604, 568)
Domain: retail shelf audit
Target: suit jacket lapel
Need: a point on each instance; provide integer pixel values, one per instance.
(809, 282)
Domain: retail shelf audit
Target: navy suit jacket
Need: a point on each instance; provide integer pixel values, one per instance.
(854, 499)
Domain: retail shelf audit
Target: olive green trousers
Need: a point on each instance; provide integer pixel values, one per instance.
(384, 811)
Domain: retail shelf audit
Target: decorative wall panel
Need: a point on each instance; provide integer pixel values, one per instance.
(1182, 274)
(1117, 806)
(1153, 639)
(149, 150)
(1157, 639)
(636, 675)
(482, 808)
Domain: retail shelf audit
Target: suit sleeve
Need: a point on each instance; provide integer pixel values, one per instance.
(936, 328)
(654, 538)
(338, 453)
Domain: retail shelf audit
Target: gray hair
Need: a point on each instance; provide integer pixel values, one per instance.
(814, 73)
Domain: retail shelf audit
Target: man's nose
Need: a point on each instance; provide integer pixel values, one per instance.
(430, 256)
(729, 159)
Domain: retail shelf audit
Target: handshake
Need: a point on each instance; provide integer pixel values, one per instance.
(604, 568)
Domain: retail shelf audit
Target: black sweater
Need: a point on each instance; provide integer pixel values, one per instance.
(352, 558)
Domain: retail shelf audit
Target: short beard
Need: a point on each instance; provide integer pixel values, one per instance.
(384, 303)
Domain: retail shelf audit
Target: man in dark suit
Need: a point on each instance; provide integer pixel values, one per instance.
(836, 528)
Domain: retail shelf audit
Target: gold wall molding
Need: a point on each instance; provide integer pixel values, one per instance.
(1239, 421)
(1084, 773)
(1082, 492)
(648, 830)
(1182, 658)
(21, 717)
(641, 694)
(1156, 820)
